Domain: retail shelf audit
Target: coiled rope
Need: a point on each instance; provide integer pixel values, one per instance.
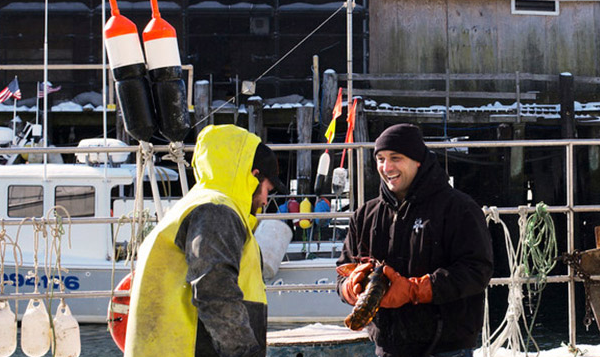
(539, 257)
(534, 257)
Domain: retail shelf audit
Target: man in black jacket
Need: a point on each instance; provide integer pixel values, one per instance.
(437, 252)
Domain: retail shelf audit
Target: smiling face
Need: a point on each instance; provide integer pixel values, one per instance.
(397, 171)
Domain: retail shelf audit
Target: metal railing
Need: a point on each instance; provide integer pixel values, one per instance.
(358, 164)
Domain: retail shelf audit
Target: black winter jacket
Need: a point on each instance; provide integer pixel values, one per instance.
(436, 230)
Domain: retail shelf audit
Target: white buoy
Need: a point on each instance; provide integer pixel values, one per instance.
(339, 180)
(8, 330)
(273, 237)
(35, 329)
(66, 333)
(322, 172)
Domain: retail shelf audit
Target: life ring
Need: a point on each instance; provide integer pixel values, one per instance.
(118, 311)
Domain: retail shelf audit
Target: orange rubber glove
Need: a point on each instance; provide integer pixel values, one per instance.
(400, 292)
(403, 290)
(352, 286)
(423, 292)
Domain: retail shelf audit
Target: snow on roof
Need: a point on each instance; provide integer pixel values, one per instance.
(213, 6)
(125, 6)
(39, 6)
(547, 111)
(91, 101)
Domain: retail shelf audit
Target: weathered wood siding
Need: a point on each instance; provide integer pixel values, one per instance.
(482, 36)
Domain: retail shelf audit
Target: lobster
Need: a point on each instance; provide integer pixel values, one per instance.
(368, 301)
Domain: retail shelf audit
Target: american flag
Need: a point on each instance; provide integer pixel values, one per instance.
(12, 90)
(50, 89)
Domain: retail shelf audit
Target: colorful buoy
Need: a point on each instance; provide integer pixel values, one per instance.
(128, 67)
(164, 67)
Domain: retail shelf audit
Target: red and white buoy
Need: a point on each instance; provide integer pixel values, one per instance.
(164, 67)
(128, 67)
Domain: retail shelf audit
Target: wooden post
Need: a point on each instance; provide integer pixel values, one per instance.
(255, 117)
(329, 90)
(592, 185)
(201, 105)
(516, 184)
(316, 83)
(513, 168)
(120, 125)
(303, 158)
(567, 106)
(361, 135)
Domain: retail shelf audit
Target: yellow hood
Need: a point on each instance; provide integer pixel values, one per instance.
(227, 166)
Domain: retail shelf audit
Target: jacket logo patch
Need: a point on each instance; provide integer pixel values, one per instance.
(418, 225)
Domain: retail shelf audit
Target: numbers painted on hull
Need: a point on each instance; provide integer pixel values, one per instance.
(71, 282)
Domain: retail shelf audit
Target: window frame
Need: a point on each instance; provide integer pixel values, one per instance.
(69, 209)
(8, 201)
(515, 11)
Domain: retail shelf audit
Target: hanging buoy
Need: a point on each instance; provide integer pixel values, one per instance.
(8, 330)
(283, 208)
(293, 207)
(305, 207)
(127, 64)
(322, 206)
(322, 172)
(118, 311)
(66, 333)
(273, 237)
(35, 329)
(164, 67)
(339, 180)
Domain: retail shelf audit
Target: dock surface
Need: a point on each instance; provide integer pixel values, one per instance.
(319, 340)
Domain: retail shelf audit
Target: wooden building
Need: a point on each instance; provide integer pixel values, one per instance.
(487, 37)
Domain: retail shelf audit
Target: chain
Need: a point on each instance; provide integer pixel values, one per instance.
(574, 261)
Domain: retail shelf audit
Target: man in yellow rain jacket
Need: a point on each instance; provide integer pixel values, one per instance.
(198, 288)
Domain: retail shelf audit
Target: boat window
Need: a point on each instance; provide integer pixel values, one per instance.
(25, 201)
(79, 201)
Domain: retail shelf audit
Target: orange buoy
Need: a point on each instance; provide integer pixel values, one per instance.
(128, 67)
(118, 311)
(166, 75)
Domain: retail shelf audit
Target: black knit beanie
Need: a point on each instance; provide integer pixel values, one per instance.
(405, 139)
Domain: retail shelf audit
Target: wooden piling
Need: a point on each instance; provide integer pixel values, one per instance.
(329, 90)
(516, 185)
(255, 117)
(593, 183)
(316, 102)
(361, 135)
(514, 175)
(567, 106)
(201, 105)
(303, 158)
(120, 126)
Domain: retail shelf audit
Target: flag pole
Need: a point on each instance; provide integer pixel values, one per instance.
(45, 85)
(14, 118)
(349, 8)
(14, 121)
(37, 102)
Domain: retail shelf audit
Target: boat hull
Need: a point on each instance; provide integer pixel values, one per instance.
(313, 305)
